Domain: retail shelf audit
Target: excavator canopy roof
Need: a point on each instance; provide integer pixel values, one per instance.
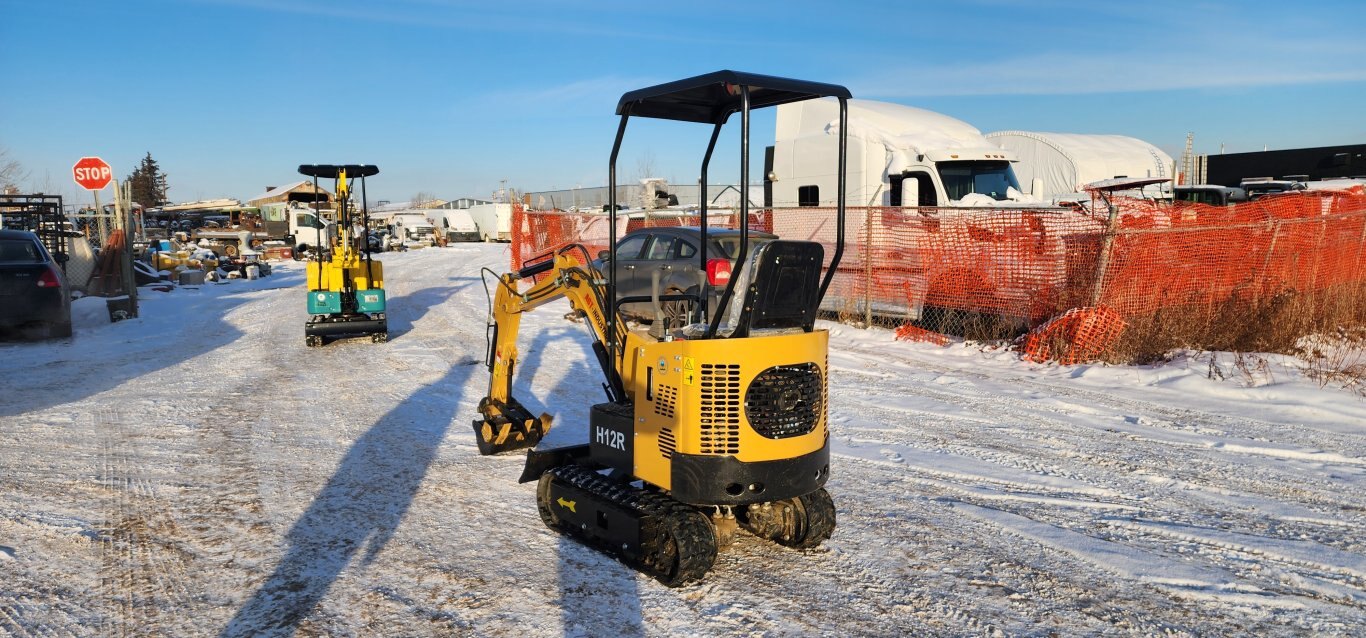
(711, 98)
(332, 170)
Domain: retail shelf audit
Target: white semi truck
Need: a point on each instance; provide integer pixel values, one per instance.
(897, 156)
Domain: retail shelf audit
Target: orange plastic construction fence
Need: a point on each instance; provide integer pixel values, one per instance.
(952, 270)
(1075, 336)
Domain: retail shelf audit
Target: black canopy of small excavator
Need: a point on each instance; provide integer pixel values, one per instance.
(332, 171)
(713, 97)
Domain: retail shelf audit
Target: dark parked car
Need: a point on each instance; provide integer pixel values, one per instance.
(673, 253)
(34, 297)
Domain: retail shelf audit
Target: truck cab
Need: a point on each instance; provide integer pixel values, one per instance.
(1258, 187)
(284, 221)
(413, 229)
(1210, 194)
(898, 156)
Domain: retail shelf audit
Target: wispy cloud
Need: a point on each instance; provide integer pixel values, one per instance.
(470, 16)
(1069, 74)
(588, 97)
(1102, 61)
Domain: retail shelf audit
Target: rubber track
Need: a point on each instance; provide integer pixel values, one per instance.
(689, 528)
(820, 519)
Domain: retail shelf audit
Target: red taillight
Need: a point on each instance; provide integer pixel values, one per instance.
(49, 279)
(718, 271)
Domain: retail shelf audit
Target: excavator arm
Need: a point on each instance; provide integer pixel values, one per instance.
(506, 424)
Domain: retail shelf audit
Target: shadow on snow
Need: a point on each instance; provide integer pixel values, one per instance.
(359, 509)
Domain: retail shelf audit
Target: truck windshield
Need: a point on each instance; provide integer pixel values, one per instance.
(985, 178)
(1211, 197)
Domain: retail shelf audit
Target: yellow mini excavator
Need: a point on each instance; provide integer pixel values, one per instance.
(713, 426)
(345, 289)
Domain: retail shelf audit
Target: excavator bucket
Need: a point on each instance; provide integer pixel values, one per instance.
(507, 427)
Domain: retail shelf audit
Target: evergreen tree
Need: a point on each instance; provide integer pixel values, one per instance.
(148, 184)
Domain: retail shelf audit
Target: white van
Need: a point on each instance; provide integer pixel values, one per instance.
(454, 224)
(413, 229)
(494, 221)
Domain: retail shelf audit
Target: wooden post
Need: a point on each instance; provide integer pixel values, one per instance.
(100, 222)
(1270, 251)
(123, 210)
(1103, 259)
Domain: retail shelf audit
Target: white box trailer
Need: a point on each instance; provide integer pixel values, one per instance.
(494, 221)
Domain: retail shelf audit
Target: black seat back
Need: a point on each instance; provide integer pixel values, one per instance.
(784, 289)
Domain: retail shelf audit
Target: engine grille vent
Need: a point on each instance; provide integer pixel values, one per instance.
(666, 396)
(667, 445)
(720, 408)
(825, 397)
(785, 401)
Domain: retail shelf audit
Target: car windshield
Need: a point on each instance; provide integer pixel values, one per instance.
(19, 251)
(986, 178)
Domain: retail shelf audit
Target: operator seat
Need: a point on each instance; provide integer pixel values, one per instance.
(783, 291)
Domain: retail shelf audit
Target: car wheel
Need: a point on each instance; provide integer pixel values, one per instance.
(677, 313)
(59, 330)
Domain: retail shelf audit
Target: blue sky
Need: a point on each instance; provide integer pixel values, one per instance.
(450, 97)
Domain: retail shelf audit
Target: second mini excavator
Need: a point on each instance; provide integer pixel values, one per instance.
(708, 428)
(345, 285)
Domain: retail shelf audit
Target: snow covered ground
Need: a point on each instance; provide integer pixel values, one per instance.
(199, 471)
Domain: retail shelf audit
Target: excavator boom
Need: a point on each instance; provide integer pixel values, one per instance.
(506, 424)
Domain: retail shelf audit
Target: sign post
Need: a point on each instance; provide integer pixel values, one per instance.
(93, 174)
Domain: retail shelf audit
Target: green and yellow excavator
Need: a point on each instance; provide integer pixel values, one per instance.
(345, 285)
(708, 427)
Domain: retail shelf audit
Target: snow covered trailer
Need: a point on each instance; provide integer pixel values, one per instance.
(1062, 163)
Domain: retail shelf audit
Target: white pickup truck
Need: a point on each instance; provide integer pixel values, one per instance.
(273, 222)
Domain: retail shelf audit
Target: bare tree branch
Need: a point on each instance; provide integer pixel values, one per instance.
(11, 172)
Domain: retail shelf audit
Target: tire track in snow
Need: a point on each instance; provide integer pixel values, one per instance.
(982, 564)
(143, 572)
(1050, 434)
(1319, 573)
(1153, 501)
(1153, 414)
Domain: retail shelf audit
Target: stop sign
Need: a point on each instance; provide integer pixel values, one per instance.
(92, 173)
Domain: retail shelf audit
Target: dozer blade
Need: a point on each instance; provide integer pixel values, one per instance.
(508, 427)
